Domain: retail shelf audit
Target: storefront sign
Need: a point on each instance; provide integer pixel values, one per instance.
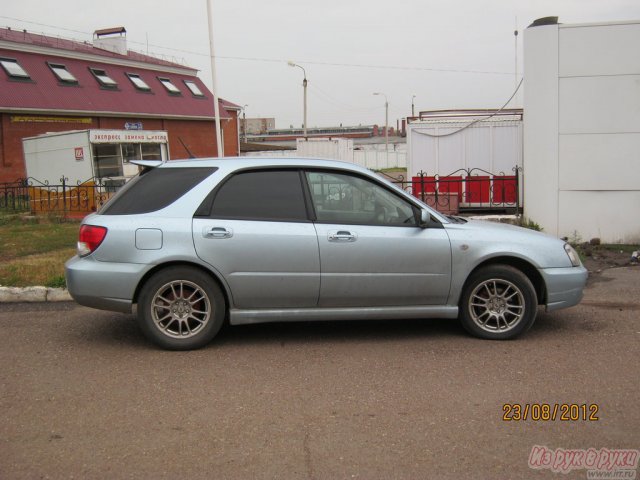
(38, 119)
(79, 152)
(128, 136)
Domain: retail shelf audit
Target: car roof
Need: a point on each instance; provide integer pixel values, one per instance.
(248, 162)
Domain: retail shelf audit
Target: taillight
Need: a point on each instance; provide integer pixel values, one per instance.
(90, 238)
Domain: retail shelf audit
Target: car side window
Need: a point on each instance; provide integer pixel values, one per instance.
(351, 199)
(270, 195)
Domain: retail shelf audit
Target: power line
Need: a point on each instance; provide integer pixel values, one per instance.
(324, 96)
(476, 120)
(282, 60)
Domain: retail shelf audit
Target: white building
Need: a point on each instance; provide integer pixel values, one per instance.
(582, 129)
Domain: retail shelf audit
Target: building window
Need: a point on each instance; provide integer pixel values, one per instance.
(13, 69)
(171, 88)
(151, 151)
(141, 151)
(105, 80)
(107, 159)
(138, 82)
(61, 72)
(112, 160)
(193, 88)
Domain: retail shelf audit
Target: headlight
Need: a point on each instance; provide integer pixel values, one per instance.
(573, 255)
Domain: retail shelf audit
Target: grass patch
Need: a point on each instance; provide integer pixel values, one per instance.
(33, 250)
(530, 224)
(626, 248)
(42, 269)
(20, 238)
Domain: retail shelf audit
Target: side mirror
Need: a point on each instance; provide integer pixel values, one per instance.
(425, 219)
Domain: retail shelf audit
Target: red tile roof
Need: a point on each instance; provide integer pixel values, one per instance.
(45, 93)
(28, 38)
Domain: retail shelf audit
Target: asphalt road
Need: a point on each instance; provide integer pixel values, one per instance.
(84, 395)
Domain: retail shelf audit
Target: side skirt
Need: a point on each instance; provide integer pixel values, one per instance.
(243, 317)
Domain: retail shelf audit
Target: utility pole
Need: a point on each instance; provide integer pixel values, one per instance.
(244, 123)
(413, 111)
(515, 35)
(386, 125)
(214, 85)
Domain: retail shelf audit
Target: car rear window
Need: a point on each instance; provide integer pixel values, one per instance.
(155, 189)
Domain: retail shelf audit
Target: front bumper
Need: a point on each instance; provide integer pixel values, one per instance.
(565, 286)
(103, 285)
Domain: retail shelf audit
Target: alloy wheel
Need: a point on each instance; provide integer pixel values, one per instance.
(496, 305)
(180, 309)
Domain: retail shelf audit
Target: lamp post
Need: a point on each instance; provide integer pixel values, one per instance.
(413, 112)
(304, 84)
(244, 123)
(386, 123)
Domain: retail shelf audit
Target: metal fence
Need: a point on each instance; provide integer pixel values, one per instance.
(467, 190)
(67, 199)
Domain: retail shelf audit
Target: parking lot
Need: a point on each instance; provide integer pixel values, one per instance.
(84, 395)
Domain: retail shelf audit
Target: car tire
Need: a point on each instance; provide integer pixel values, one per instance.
(498, 302)
(181, 308)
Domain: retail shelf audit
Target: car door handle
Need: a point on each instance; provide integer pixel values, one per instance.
(217, 232)
(342, 236)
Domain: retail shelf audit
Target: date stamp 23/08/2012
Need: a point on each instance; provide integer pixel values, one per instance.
(550, 412)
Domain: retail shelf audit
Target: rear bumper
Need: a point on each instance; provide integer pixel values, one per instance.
(565, 286)
(103, 285)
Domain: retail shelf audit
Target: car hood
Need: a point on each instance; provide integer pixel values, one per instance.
(484, 239)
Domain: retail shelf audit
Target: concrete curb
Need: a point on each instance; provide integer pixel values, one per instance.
(33, 294)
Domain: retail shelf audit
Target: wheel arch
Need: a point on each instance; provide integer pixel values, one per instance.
(529, 270)
(181, 263)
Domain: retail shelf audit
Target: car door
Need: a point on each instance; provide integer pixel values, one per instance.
(372, 252)
(259, 237)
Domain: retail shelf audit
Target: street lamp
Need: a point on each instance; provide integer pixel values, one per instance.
(304, 84)
(244, 123)
(386, 123)
(413, 113)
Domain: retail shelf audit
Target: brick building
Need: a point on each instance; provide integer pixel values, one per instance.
(49, 84)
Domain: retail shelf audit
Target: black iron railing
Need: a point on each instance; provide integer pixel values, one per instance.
(64, 198)
(467, 190)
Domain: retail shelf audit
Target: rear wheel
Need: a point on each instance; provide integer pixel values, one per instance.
(498, 302)
(181, 308)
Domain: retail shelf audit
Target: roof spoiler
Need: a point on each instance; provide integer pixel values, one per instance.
(147, 163)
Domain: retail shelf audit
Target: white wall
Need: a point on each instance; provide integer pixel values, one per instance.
(494, 145)
(378, 159)
(49, 157)
(582, 130)
(372, 156)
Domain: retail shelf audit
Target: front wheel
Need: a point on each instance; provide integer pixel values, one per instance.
(498, 303)
(180, 308)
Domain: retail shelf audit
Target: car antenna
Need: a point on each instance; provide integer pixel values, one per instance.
(191, 155)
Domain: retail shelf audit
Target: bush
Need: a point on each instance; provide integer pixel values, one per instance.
(530, 224)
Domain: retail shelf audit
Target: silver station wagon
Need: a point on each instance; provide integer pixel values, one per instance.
(194, 243)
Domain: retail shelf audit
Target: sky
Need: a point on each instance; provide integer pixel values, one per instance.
(450, 54)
